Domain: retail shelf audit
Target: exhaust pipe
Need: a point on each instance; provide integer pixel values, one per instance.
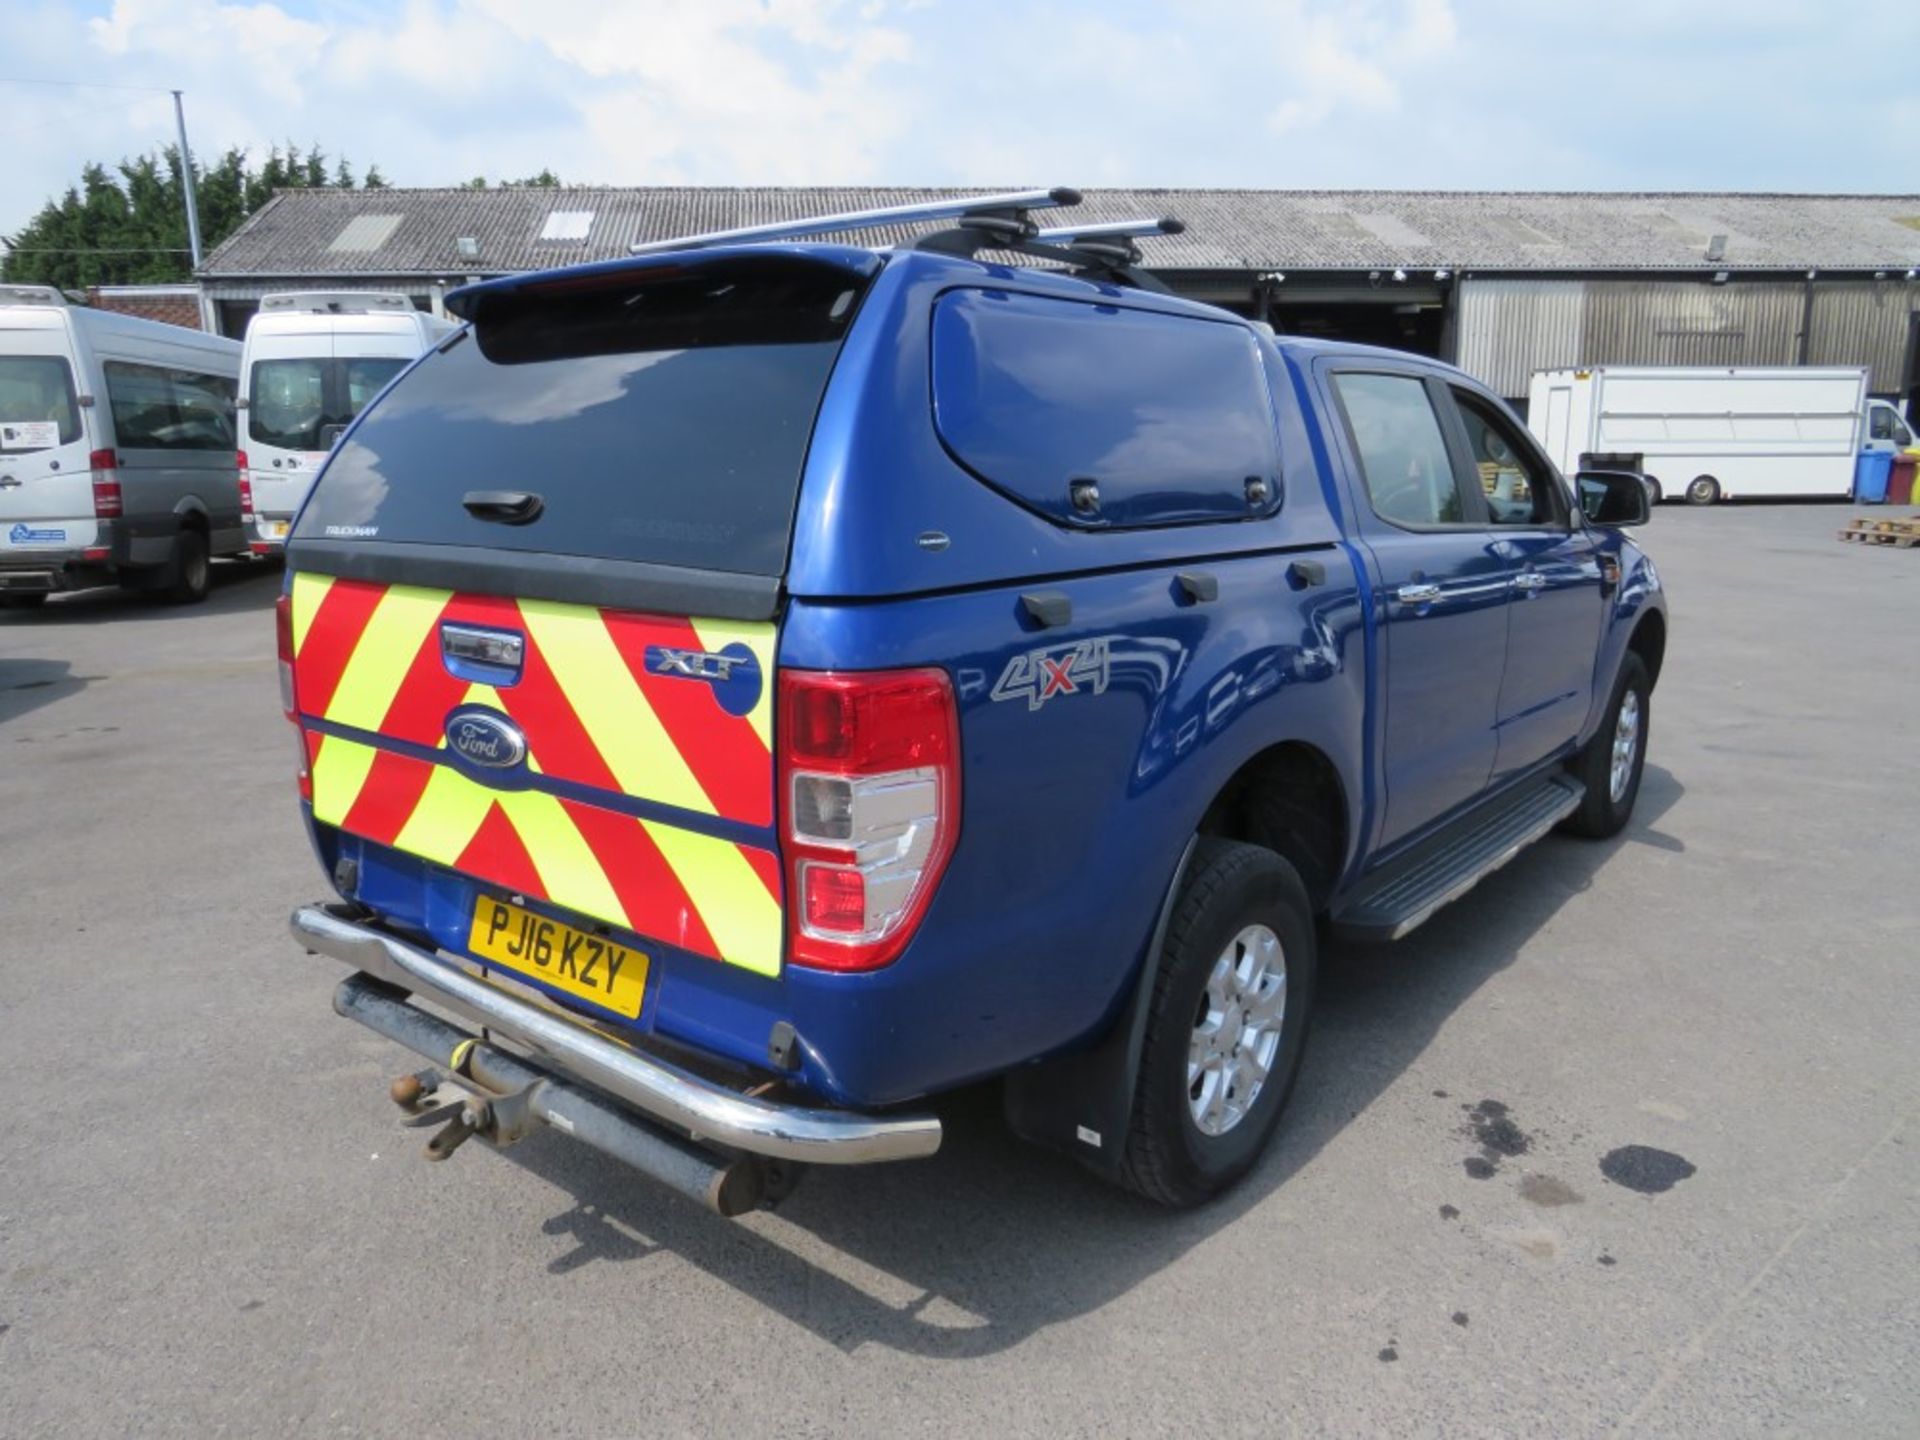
(724, 1186)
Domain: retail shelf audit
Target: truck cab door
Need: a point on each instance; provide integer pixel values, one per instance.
(1440, 594)
(1885, 429)
(1552, 571)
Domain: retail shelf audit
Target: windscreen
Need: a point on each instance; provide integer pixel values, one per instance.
(37, 409)
(292, 403)
(660, 415)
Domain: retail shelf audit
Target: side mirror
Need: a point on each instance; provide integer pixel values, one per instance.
(1613, 497)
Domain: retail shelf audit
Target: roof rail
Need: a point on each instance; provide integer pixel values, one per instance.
(1009, 208)
(336, 302)
(31, 295)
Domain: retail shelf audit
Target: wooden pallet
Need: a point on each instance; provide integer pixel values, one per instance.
(1903, 533)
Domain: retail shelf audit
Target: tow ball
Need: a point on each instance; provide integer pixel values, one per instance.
(430, 1098)
(457, 1107)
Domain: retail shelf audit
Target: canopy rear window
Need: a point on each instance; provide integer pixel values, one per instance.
(661, 415)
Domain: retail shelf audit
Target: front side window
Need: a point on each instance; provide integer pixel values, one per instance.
(160, 408)
(1403, 453)
(1518, 486)
(37, 408)
(1880, 423)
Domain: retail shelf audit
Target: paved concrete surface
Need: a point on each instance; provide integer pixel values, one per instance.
(211, 1225)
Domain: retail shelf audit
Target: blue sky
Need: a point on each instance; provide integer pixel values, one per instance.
(1494, 94)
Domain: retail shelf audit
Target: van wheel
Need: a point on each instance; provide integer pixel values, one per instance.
(188, 572)
(1610, 766)
(1654, 493)
(1227, 1024)
(1703, 490)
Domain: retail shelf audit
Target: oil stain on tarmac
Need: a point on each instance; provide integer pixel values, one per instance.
(1645, 1170)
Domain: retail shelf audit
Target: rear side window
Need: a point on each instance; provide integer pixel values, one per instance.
(304, 404)
(662, 415)
(1403, 453)
(37, 409)
(1168, 417)
(160, 408)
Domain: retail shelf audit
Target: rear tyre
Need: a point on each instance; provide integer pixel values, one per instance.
(1227, 1024)
(189, 573)
(1611, 763)
(1654, 493)
(1703, 490)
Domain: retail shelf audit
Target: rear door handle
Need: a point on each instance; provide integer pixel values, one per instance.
(508, 507)
(1417, 594)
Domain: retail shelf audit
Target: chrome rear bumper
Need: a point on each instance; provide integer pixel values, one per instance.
(707, 1110)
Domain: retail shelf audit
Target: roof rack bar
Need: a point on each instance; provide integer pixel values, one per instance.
(957, 208)
(1110, 230)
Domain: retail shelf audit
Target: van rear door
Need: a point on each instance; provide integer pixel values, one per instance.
(46, 489)
(532, 613)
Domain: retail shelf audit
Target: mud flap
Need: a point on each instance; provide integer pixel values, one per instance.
(1081, 1104)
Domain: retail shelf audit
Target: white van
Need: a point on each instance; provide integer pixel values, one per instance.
(116, 450)
(312, 361)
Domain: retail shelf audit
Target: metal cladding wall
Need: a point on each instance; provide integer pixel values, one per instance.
(1865, 323)
(1508, 329)
(1640, 322)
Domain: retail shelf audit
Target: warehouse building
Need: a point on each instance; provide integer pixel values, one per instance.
(1502, 284)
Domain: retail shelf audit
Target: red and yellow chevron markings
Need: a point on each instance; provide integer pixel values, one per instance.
(367, 658)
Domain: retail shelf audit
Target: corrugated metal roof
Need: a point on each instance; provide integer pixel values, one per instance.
(321, 233)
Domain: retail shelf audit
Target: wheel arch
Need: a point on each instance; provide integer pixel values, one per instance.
(1649, 642)
(1290, 799)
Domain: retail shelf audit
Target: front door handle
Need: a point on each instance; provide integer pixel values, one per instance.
(1417, 594)
(1529, 580)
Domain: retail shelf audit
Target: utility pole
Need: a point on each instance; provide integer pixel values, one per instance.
(186, 176)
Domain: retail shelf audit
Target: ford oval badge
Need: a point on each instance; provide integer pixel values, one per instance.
(485, 738)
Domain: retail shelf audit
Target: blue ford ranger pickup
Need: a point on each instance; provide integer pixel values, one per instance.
(749, 688)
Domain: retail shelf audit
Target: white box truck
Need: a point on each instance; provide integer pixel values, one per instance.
(1708, 432)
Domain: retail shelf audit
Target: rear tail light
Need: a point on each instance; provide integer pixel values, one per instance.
(105, 466)
(246, 485)
(870, 790)
(289, 700)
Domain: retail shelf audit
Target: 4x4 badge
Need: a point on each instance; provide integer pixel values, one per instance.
(1038, 675)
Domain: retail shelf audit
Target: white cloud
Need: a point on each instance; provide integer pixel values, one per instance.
(1499, 93)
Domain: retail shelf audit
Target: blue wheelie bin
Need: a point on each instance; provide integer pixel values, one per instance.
(1870, 474)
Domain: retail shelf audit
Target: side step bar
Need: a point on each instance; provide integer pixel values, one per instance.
(677, 1097)
(1405, 892)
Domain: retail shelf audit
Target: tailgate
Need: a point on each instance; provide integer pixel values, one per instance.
(611, 763)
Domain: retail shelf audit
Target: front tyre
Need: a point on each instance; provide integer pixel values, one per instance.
(1703, 490)
(1613, 759)
(1227, 1024)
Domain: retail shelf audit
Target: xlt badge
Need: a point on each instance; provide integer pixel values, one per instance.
(733, 672)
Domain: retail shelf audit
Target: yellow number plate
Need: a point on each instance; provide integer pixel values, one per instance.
(571, 960)
(276, 529)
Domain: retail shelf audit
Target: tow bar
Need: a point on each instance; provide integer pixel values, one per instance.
(502, 1099)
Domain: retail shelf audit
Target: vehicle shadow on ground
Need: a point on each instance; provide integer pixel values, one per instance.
(26, 685)
(972, 1251)
(233, 586)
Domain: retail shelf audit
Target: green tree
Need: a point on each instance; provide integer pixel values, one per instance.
(128, 226)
